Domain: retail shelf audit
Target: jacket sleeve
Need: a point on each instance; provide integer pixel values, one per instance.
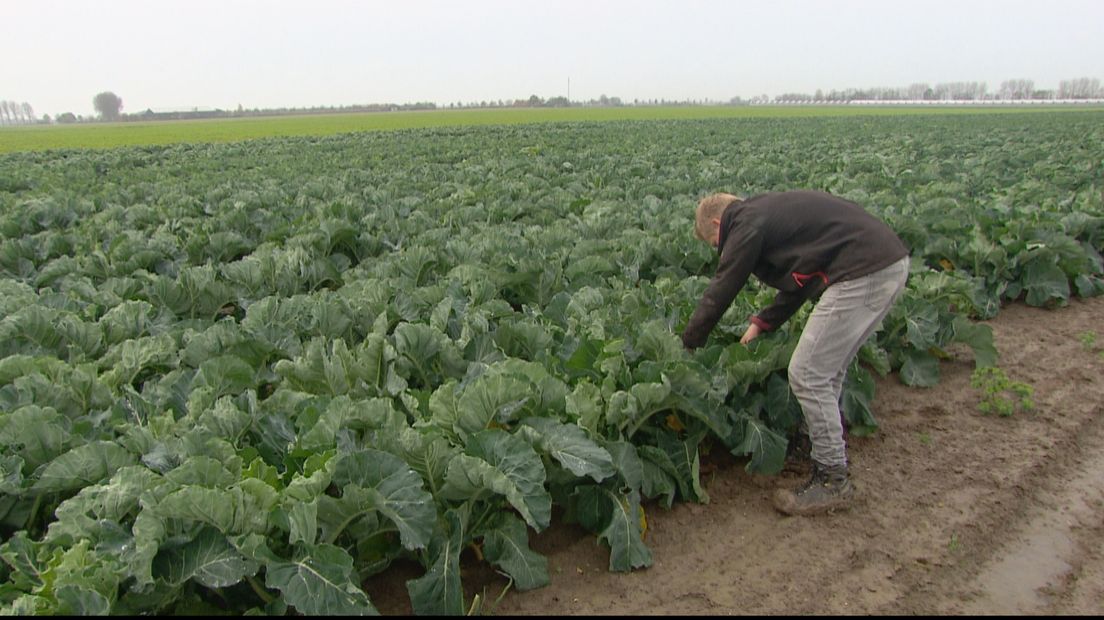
(783, 307)
(738, 258)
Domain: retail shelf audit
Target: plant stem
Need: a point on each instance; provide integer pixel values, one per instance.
(261, 592)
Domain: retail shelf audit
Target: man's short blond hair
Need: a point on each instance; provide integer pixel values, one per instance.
(710, 208)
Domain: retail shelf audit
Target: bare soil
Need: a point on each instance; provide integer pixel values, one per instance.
(957, 511)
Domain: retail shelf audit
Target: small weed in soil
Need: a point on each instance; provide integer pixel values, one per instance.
(999, 394)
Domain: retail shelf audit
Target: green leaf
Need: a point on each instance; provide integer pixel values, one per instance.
(658, 343)
(226, 374)
(209, 559)
(685, 457)
(526, 340)
(747, 366)
(921, 322)
(377, 367)
(660, 476)
(490, 399)
(783, 409)
(584, 404)
(584, 360)
(920, 369)
(979, 337)
(87, 572)
(1045, 281)
(83, 466)
(1089, 285)
(628, 463)
(858, 401)
(506, 545)
(203, 471)
(225, 419)
(617, 519)
(766, 447)
(241, 509)
(330, 368)
(499, 463)
(570, 446)
(11, 475)
(77, 600)
(341, 413)
(444, 408)
(315, 478)
(29, 605)
(303, 522)
(429, 353)
(126, 321)
(36, 434)
(130, 357)
(440, 592)
(374, 480)
(320, 581)
(428, 454)
(22, 555)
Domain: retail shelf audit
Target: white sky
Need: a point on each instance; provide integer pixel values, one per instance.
(273, 53)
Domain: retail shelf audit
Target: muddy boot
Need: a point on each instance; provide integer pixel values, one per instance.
(828, 489)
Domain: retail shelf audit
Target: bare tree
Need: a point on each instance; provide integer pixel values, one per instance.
(917, 91)
(28, 112)
(1081, 88)
(1016, 89)
(108, 105)
(960, 91)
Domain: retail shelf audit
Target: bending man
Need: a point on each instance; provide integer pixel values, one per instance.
(805, 244)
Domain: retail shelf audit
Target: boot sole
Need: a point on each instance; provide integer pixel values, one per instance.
(787, 503)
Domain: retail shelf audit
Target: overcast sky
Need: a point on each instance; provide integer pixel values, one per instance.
(280, 53)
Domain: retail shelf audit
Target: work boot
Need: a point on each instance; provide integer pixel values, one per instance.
(828, 489)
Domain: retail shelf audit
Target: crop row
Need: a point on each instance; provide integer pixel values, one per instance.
(254, 375)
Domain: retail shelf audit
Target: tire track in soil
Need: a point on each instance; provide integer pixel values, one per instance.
(1035, 562)
(1027, 559)
(1032, 545)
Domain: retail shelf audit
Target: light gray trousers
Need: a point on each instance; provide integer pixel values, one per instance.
(847, 314)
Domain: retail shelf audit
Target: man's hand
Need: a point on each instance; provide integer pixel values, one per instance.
(752, 333)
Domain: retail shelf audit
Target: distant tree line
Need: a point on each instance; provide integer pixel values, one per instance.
(536, 101)
(241, 112)
(1019, 89)
(109, 106)
(12, 113)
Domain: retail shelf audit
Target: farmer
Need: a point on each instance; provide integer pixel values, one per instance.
(805, 244)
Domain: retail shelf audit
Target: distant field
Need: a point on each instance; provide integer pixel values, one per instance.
(108, 135)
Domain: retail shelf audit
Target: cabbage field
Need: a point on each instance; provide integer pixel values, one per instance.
(250, 377)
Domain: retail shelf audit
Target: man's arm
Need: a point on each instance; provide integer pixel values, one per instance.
(738, 257)
(784, 306)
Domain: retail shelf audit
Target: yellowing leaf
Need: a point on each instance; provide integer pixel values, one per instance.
(674, 423)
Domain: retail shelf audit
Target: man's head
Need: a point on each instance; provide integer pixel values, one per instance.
(707, 218)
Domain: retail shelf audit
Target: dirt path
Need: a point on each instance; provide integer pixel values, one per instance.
(960, 512)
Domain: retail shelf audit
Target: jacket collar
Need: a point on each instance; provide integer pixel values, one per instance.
(726, 222)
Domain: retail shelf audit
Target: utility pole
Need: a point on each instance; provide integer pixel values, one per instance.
(569, 90)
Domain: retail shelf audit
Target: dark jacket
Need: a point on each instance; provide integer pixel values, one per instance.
(798, 242)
